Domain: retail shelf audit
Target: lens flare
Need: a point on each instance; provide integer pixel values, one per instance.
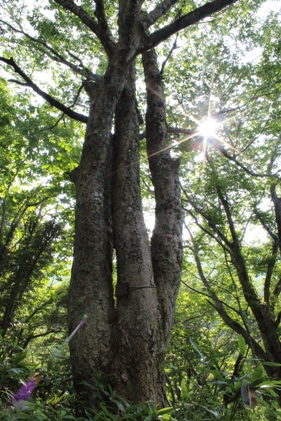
(208, 127)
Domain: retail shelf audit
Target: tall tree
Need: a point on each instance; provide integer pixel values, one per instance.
(233, 198)
(123, 340)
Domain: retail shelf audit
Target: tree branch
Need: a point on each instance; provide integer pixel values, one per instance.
(207, 218)
(101, 29)
(52, 101)
(277, 289)
(212, 297)
(160, 10)
(219, 240)
(174, 46)
(183, 22)
(41, 306)
(265, 226)
(269, 272)
(277, 209)
(219, 306)
(217, 146)
(104, 28)
(52, 53)
(29, 338)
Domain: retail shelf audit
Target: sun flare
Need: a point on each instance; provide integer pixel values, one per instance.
(208, 128)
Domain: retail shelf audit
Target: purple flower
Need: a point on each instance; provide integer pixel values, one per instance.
(27, 388)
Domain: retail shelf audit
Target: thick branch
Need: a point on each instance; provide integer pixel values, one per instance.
(101, 29)
(52, 101)
(104, 28)
(227, 210)
(277, 208)
(183, 22)
(269, 272)
(277, 289)
(239, 261)
(160, 10)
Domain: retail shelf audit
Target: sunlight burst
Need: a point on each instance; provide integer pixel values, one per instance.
(208, 127)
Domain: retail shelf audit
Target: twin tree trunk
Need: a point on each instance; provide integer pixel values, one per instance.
(124, 339)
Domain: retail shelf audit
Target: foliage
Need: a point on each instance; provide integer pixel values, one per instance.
(231, 195)
(207, 365)
(54, 399)
(36, 222)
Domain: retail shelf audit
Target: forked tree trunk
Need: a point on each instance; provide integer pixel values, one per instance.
(124, 341)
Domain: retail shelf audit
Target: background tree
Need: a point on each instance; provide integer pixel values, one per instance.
(35, 222)
(231, 192)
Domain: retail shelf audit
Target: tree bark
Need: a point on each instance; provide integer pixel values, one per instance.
(136, 333)
(125, 341)
(91, 289)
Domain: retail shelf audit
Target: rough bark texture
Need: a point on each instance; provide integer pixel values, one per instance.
(137, 328)
(91, 289)
(125, 340)
(166, 245)
(128, 341)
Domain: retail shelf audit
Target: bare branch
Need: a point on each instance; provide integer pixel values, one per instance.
(211, 296)
(174, 46)
(269, 272)
(217, 238)
(265, 226)
(52, 101)
(208, 219)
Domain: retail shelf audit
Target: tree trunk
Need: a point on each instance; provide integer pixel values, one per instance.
(124, 341)
(91, 289)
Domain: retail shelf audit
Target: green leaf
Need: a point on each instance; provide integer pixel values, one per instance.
(184, 390)
(241, 345)
(257, 374)
(271, 364)
(166, 410)
(17, 359)
(217, 374)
